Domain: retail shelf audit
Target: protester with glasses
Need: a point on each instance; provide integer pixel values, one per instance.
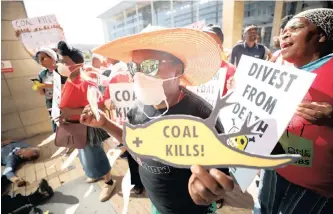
(74, 97)
(158, 59)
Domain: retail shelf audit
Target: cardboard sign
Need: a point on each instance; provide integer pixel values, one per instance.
(262, 90)
(210, 90)
(126, 187)
(43, 31)
(56, 100)
(6, 67)
(93, 97)
(123, 98)
(185, 140)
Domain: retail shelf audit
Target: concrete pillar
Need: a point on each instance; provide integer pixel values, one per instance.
(171, 9)
(299, 7)
(153, 20)
(278, 13)
(198, 10)
(137, 17)
(125, 22)
(232, 22)
(23, 111)
(105, 30)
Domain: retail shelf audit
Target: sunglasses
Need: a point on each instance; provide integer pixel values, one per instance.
(149, 67)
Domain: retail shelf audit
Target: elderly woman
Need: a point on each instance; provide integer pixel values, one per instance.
(307, 185)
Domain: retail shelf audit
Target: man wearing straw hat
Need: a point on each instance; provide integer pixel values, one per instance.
(157, 58)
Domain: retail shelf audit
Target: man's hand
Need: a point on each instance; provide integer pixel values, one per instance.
(319, 113)
(206, 187)
(88, 118)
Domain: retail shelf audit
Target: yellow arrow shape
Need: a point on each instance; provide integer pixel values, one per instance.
(182, 141)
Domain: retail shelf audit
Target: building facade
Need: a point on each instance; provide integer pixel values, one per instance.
(130, 17)
(23, 111)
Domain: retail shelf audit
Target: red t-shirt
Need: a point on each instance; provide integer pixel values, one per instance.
(74, 95)
(315, 143)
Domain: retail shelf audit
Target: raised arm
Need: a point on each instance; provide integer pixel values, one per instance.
(88, 119)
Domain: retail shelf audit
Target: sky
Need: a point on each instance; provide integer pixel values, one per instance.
(78, 18)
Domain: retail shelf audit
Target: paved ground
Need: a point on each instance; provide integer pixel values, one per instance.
(50, 168)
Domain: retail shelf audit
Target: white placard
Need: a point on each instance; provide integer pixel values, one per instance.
(37, 32)
(126, 188)
(93, 97)
(210, 90)
(56, 99)
(123, 98)
(263, 90)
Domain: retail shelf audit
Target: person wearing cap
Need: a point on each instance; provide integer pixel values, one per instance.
(249, 47)
(48, 58)
(157, 58)
(216, 33)
(98, 61)
(307, 185)
(74, 98)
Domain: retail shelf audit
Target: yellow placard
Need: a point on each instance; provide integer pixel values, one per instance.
(182, 141)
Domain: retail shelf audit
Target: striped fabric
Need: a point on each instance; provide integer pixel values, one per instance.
(279, 196)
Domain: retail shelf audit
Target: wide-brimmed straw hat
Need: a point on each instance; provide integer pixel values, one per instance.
(197, 50)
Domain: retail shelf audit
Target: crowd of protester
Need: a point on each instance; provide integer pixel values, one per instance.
(305, 41)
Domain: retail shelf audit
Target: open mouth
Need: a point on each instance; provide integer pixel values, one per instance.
(286, 45)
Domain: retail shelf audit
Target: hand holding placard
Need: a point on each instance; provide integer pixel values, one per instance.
(183, 142)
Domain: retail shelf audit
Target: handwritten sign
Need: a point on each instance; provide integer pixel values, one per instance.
(183, 142)
(123, 97)
(43, 31)
(210, 90)
(6, 67)
(262, 90)
(56, 99)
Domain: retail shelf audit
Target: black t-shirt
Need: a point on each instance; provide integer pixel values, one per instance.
(167, 187)
(257, 51)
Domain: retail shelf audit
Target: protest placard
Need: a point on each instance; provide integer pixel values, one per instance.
(210, 90)
(93, 96)
(55, 112)
(123, 98)
(37, 32)
(263, 90)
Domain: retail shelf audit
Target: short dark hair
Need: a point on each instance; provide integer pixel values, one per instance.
(285, 20)
(215, 29)
(74, 54)
(36, 153)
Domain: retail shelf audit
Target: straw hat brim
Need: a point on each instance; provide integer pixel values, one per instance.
(197, 50)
